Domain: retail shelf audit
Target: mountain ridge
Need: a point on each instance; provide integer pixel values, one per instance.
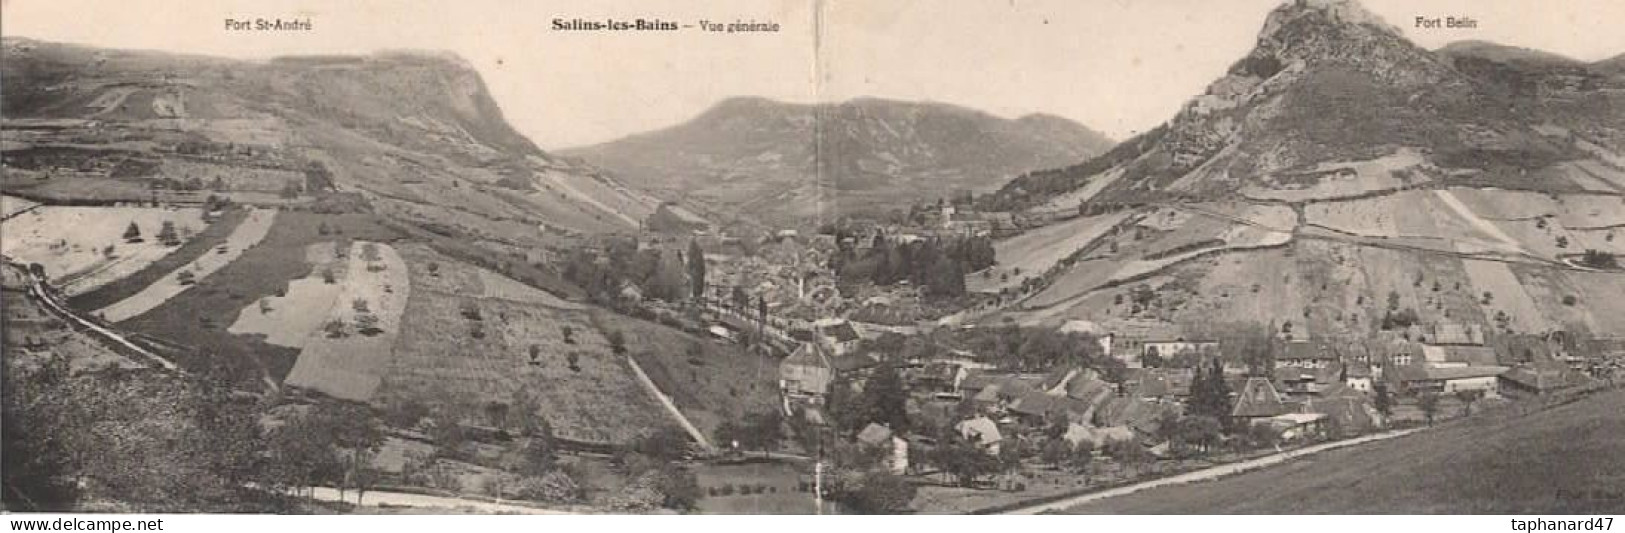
(744, 152)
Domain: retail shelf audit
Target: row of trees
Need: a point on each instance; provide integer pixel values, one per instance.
(660, 274)
(937, 265)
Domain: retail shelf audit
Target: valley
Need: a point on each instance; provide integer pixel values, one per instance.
(281, 284)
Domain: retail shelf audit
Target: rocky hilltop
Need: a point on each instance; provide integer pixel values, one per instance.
(1341, 182)
(1329, 81)
(415, 134)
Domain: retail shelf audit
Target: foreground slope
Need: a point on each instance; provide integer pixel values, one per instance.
(1562, 460)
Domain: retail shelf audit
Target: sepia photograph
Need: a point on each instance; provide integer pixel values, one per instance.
(812, 257)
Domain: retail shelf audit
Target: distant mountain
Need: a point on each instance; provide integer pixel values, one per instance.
(785, 161)
(1613, 66)
(416, 133)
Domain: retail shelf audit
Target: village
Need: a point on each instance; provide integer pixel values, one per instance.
(978, 416)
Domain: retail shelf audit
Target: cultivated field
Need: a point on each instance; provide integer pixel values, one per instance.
(349, 355)
(711, 382)
(1034, 252)
(464, 351)
(1336, 180)
(290, 319)
(1097, 183)
(12, 205)
(244, 236)
(72, 242)
(1506, 295)
(1507, 462)
(199, 317)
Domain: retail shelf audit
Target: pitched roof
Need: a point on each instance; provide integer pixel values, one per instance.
(1087, 389)
(874, 434)
(1162, 382)
(1447, 373)
(1258, 399)
(1353, 412)
(842, 332)
(1098, 436)
(1545, 379)
(982, 429)
(808, 354)
(1306, 350)
(850, 362)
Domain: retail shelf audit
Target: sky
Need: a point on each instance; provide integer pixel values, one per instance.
(1118, 66)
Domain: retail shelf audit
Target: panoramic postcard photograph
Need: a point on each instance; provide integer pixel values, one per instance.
(766, 257)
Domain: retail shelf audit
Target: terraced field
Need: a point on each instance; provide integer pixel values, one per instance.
(1507, 296)
(348, 356)
(461, 350)
(1036, 251)
(244, 236)
(72, 243)
(289, 320)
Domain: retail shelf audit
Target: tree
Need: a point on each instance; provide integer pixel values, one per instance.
(873, 492)
(664, 444)
(132, 234)
(1082, 456)
(966, 461)
(554, 486)
(167, 235)
(1056, 451)
(1468, 398)
(1384, 401)
(1600, 259)
(678, 487)
(696, 270)
(541, 453)
(617, 342)
(1130, 453)
(884, 400)
(1428, 402)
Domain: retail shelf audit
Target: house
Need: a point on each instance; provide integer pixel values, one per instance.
(806, 373)
(1306, 354)
(840, 337)
(1038, 407)
(1344, 407)
(939, 377)
(1258, 401)
(1447, 379)
(1165, 349)
(878, 436)
(1528, 380)
(1296, 424)
(1448, 355)
(1358, 376)
(1161, 383)
(982, 431)
(1140, 415)
(1098, 437)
